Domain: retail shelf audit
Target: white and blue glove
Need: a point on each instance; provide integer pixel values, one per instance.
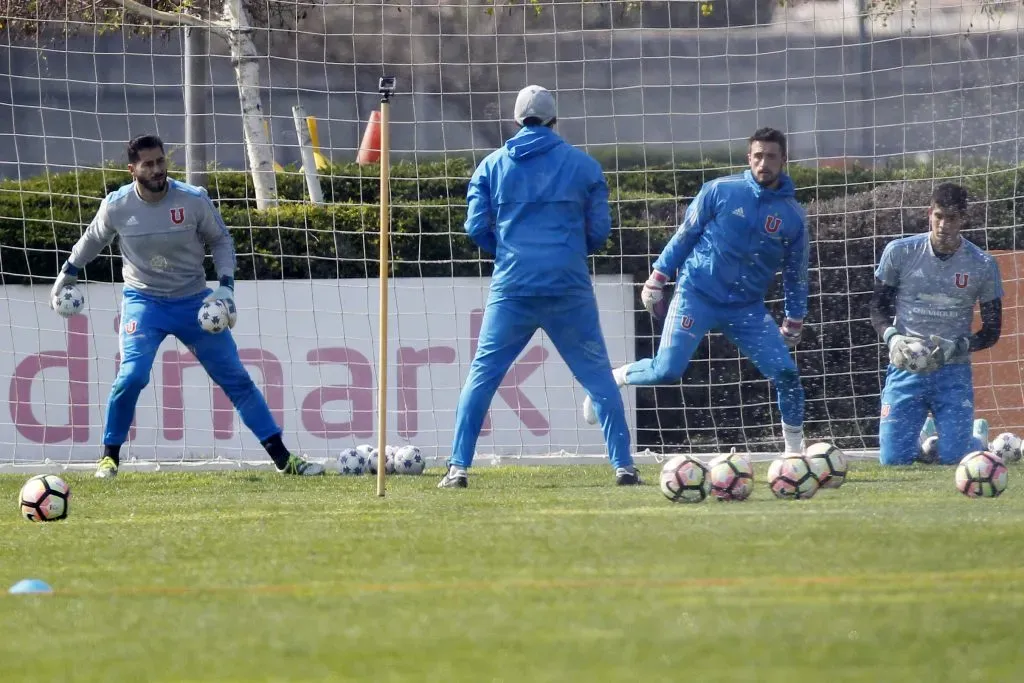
(947, 350)
(225, 293)
(68, 276)
(899, 354)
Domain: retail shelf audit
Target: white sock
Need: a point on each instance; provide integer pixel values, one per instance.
(794, 437)
(619, 374)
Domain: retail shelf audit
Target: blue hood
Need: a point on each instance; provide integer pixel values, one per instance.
(532, 141)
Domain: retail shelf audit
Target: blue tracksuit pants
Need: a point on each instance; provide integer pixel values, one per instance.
(145, 322)
(906, 399)
(751, 328)
(571, 322)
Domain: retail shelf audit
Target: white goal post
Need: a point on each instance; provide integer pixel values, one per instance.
(878, 104)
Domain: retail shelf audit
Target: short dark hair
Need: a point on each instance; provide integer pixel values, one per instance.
(537, 121)
(950, 196)
(767, 134)
(137, 144)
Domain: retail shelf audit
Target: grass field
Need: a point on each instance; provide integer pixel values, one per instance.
(533, 574)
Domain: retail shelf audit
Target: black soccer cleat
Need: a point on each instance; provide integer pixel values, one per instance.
(627, 476)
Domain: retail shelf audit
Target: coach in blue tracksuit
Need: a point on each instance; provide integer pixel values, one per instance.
(738, 232)
(541, 207)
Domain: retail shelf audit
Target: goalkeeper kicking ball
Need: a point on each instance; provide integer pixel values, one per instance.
(731, 476)
(1007, 446)
(409, 460)
(44, 498)
(69, 301)
(214, 316)
(828, 464)
(790, 477)
(684, 479)
(917, 354)
(981, 474)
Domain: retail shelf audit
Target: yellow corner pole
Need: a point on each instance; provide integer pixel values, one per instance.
(387, 89)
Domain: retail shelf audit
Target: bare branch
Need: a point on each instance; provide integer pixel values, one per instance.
(170, 17)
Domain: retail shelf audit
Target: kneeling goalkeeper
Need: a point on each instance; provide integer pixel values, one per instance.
(541, 207)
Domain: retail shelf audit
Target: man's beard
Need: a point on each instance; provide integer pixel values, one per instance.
(154, 185)
(769, 181)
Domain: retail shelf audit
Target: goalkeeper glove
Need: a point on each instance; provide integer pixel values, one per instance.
(898, 351)
(792, 329)
(653, 294)
(68, 276)
(947, 350)
(225, 293)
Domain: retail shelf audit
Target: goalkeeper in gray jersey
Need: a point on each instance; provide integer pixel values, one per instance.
(926, 287)
(163, 229)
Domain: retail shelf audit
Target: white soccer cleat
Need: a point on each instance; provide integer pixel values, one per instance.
(301, 467)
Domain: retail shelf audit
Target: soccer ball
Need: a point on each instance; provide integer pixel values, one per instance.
(351, 461)
(791, 477)
(917, 355)
(731, 476)
(408, 460)
(929, 454)
(214, 316)
(828, 464)
(1006, 446)
(44, 498)
(981, 474)
(684, 479)
(69, 301)
(389, 460)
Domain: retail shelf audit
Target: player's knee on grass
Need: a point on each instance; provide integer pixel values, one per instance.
(896, 445)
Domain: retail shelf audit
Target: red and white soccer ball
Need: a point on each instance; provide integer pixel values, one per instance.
(1007, 446)
(828, 464)
(790, 477)
(684, 479)
(731, 476)
(214, 316)
(44, 498)
(917, 353)
(981, 474)
(409, 460)
(69, 301)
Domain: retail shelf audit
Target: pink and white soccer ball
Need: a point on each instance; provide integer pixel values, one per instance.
(790, 477)
(1007, 446)
(44, 498)
(981, 474)
(214, 316)
(828, 464)
(731, 476)
(69, 301)
(409, 460)
(684, 479)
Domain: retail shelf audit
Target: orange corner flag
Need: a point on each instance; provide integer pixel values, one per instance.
(369, 148)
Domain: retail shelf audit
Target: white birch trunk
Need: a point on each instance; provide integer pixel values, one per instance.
(247, 73)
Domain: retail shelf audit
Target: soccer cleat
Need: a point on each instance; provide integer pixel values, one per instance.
(928, 429)
(300, 466)
(627, 476)
(455, 478)
(107, 468)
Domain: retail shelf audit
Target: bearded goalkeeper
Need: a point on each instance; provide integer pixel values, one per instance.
(164, 227)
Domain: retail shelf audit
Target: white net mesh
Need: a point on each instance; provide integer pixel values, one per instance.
(877, 106)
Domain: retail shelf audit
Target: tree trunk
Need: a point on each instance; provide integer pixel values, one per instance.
(247, 73)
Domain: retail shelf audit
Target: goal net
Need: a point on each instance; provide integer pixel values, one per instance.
(880, 101)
